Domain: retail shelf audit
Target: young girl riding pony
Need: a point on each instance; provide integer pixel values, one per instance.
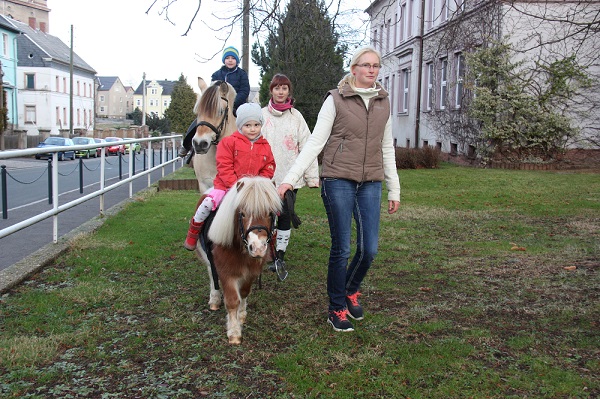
(245, 153)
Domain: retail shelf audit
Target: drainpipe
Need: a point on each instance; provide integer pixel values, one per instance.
(420, 76)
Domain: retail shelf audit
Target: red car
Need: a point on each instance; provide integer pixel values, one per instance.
(117, 147)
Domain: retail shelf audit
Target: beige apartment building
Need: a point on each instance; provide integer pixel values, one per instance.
(114, 100)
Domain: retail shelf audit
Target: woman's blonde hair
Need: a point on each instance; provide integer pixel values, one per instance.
(349, 78)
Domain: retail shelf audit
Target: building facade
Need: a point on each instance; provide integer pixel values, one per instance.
(424, 45)
(8, 58)
(34, 13)
(157, 96)
(45, 84)
(113, 99)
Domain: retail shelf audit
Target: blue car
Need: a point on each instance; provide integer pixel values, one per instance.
(56, 142)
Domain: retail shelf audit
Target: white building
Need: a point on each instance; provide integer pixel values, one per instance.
(44, 85)
(423, 46)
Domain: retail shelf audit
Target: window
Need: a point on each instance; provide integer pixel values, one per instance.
(444, 83)
(392, 97)
(165, 103)
(78, 91)
(402, 22)
(65, 115)
(429, 104)
(405, 78)
(102, 109)
(78, 117)
(30, 117)
(30, 81)
(138, 102)
(432, 14)
(57, 83)
(5, 44)
(153, 91)
(460, 75)
(64, 85)
(374, 39)
(396, 30)
(409, 18)
(101, 99)
(387, 38)
(58, 116)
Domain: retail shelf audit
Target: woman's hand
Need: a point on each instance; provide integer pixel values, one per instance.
(283, 187)
(393, 206)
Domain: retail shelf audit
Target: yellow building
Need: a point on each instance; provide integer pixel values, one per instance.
(157, 96)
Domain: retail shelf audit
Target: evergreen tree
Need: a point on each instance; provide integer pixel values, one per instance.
(181, 110)
(304, 47)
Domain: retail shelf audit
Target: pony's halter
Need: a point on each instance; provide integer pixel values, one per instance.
(244, 234)
(218, 129)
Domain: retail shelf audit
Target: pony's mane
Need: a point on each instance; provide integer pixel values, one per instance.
(257, 197)
(209, 105)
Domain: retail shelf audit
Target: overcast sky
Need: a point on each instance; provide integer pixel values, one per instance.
(118, 38)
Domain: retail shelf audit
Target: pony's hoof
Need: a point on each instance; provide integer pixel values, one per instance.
(214, 307)
(235, 340)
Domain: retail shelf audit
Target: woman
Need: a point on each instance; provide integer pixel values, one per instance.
(287, 132)
(354, 130)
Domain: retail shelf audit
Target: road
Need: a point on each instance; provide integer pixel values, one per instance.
(27, 192)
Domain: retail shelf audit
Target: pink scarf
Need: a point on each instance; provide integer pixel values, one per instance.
(289, 103)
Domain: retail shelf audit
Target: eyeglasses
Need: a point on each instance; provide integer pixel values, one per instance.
(369, 66)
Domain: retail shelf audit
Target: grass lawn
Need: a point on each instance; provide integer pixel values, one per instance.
(485, 286)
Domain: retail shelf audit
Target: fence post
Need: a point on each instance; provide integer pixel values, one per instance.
(50, 181)
(81, 175)
(4, 194)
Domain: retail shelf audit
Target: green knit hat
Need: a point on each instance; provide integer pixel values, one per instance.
(231, 51)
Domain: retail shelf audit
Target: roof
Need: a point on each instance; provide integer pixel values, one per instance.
(106, 82)
(167, 86)
(6, 25)
(38, 49)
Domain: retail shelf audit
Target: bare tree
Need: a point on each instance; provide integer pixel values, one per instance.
(555, 48)
(265, 16)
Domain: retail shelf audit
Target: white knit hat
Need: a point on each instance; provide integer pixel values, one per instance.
(248, 112)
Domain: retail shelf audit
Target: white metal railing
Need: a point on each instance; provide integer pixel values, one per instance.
(56, 208)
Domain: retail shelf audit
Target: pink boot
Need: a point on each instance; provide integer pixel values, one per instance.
(192, 235)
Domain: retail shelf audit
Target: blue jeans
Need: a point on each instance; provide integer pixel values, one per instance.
(344, 199)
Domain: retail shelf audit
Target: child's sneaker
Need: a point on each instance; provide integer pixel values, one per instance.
(354, 309)
(339, 321)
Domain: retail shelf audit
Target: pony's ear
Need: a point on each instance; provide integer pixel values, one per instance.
(224, 88)
(239, 185)
(202, 84)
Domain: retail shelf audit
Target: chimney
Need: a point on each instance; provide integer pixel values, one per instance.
(32, 23)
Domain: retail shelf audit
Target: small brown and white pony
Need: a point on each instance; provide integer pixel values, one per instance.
(240, 233)
(214, 110)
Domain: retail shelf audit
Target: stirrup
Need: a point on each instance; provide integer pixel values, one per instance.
(280, 269)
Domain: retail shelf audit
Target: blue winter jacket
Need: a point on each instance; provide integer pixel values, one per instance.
(238, 78)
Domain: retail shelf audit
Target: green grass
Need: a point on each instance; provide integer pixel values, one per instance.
(468, 298)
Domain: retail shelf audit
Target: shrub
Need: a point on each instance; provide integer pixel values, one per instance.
(417, 158)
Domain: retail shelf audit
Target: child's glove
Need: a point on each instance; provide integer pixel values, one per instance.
(217, 196)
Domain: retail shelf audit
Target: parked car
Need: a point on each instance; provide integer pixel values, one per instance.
(137, 148)
(100, 149)
(117, 147)
(57, 142)
(90, 152)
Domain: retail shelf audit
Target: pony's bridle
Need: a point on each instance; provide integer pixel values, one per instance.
(218, 129)
(259, 227)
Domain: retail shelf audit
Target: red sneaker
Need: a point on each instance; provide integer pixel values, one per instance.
(354, 309)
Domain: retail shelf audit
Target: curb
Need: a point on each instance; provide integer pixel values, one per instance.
(20, 271)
